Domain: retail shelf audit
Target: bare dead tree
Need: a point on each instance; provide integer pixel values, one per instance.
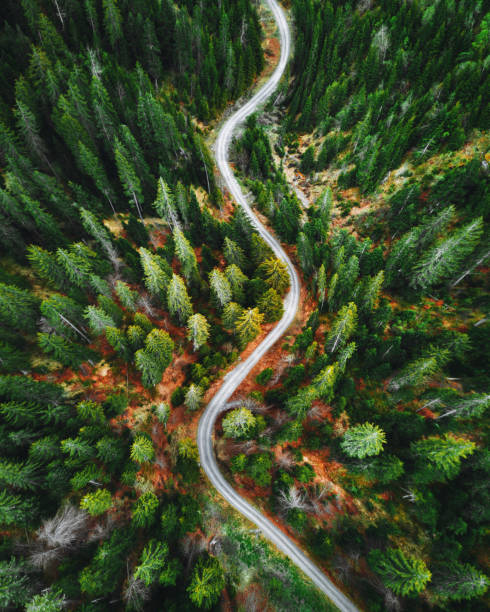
(58, 535)
(285, 460)
(292, 499)
(318, 498)
(136, 593)
(247, 447)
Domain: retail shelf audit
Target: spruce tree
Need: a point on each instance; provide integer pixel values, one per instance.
(18, 308)
(305, 253)
(91, 165)
(233, 253)
(237, 280)
(275, 274)
(179, 303)
(270, 304)
(129, 178)
(186, 256)
(321, 285)
(404, 574)
(444, 259)
(343, 327)
(197, 330)
(248, 325)
(127, 296)
(239, 423)
(363, 440)
(442, 454)
(164, 204)
(220, 287)
(231, 314)
(415, 373)
(459, 581)
(371, 292)
(193, 397)
(156, 271)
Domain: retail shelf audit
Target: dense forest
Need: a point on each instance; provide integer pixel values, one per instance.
(368, 439)
(124, 292)
(129, 284)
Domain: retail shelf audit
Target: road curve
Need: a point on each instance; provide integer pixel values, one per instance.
(236, 376)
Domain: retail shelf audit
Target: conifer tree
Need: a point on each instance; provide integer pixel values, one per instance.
(248, 325)
(459, 581)
(14, 584)
(14, 509)
(207, 582)
(239, 423)
(77, 267)
(64, 315)
(237, 280)
(321, 285)
(275, 274)
(100, 234)
(103, 110)
(136, 337)
(444, 259)
(159, 344)
(299, 404)
(193, 397)
(233, 253)
(127, 296)
(220, 287)
(343, 327)
(98, 320)
(63, 350)
(146, 506)
(156, 272)
(129, 178)
(414, 373)
(259, 249)
(325, 381)
(117, 339)
(142, 450)
(152, 562)
(471, 406)
(270, 304)
(46, 266)
(325, 205)
(179, 303)
(112, 21)
(305, 253)
(186, 256)
(403, 574)
(19, 475)
(182, 204)
(363, 440)
(164, 204)
(197, 330)
(50, 600)
(231, 314)
(372, 289)
(11, 359)
(345, 354)
(153, 360)
(151, 373)
(401, 257)
(18, 307)
(442, 454)
(91, 165)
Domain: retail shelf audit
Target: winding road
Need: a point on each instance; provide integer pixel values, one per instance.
(237, 375)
